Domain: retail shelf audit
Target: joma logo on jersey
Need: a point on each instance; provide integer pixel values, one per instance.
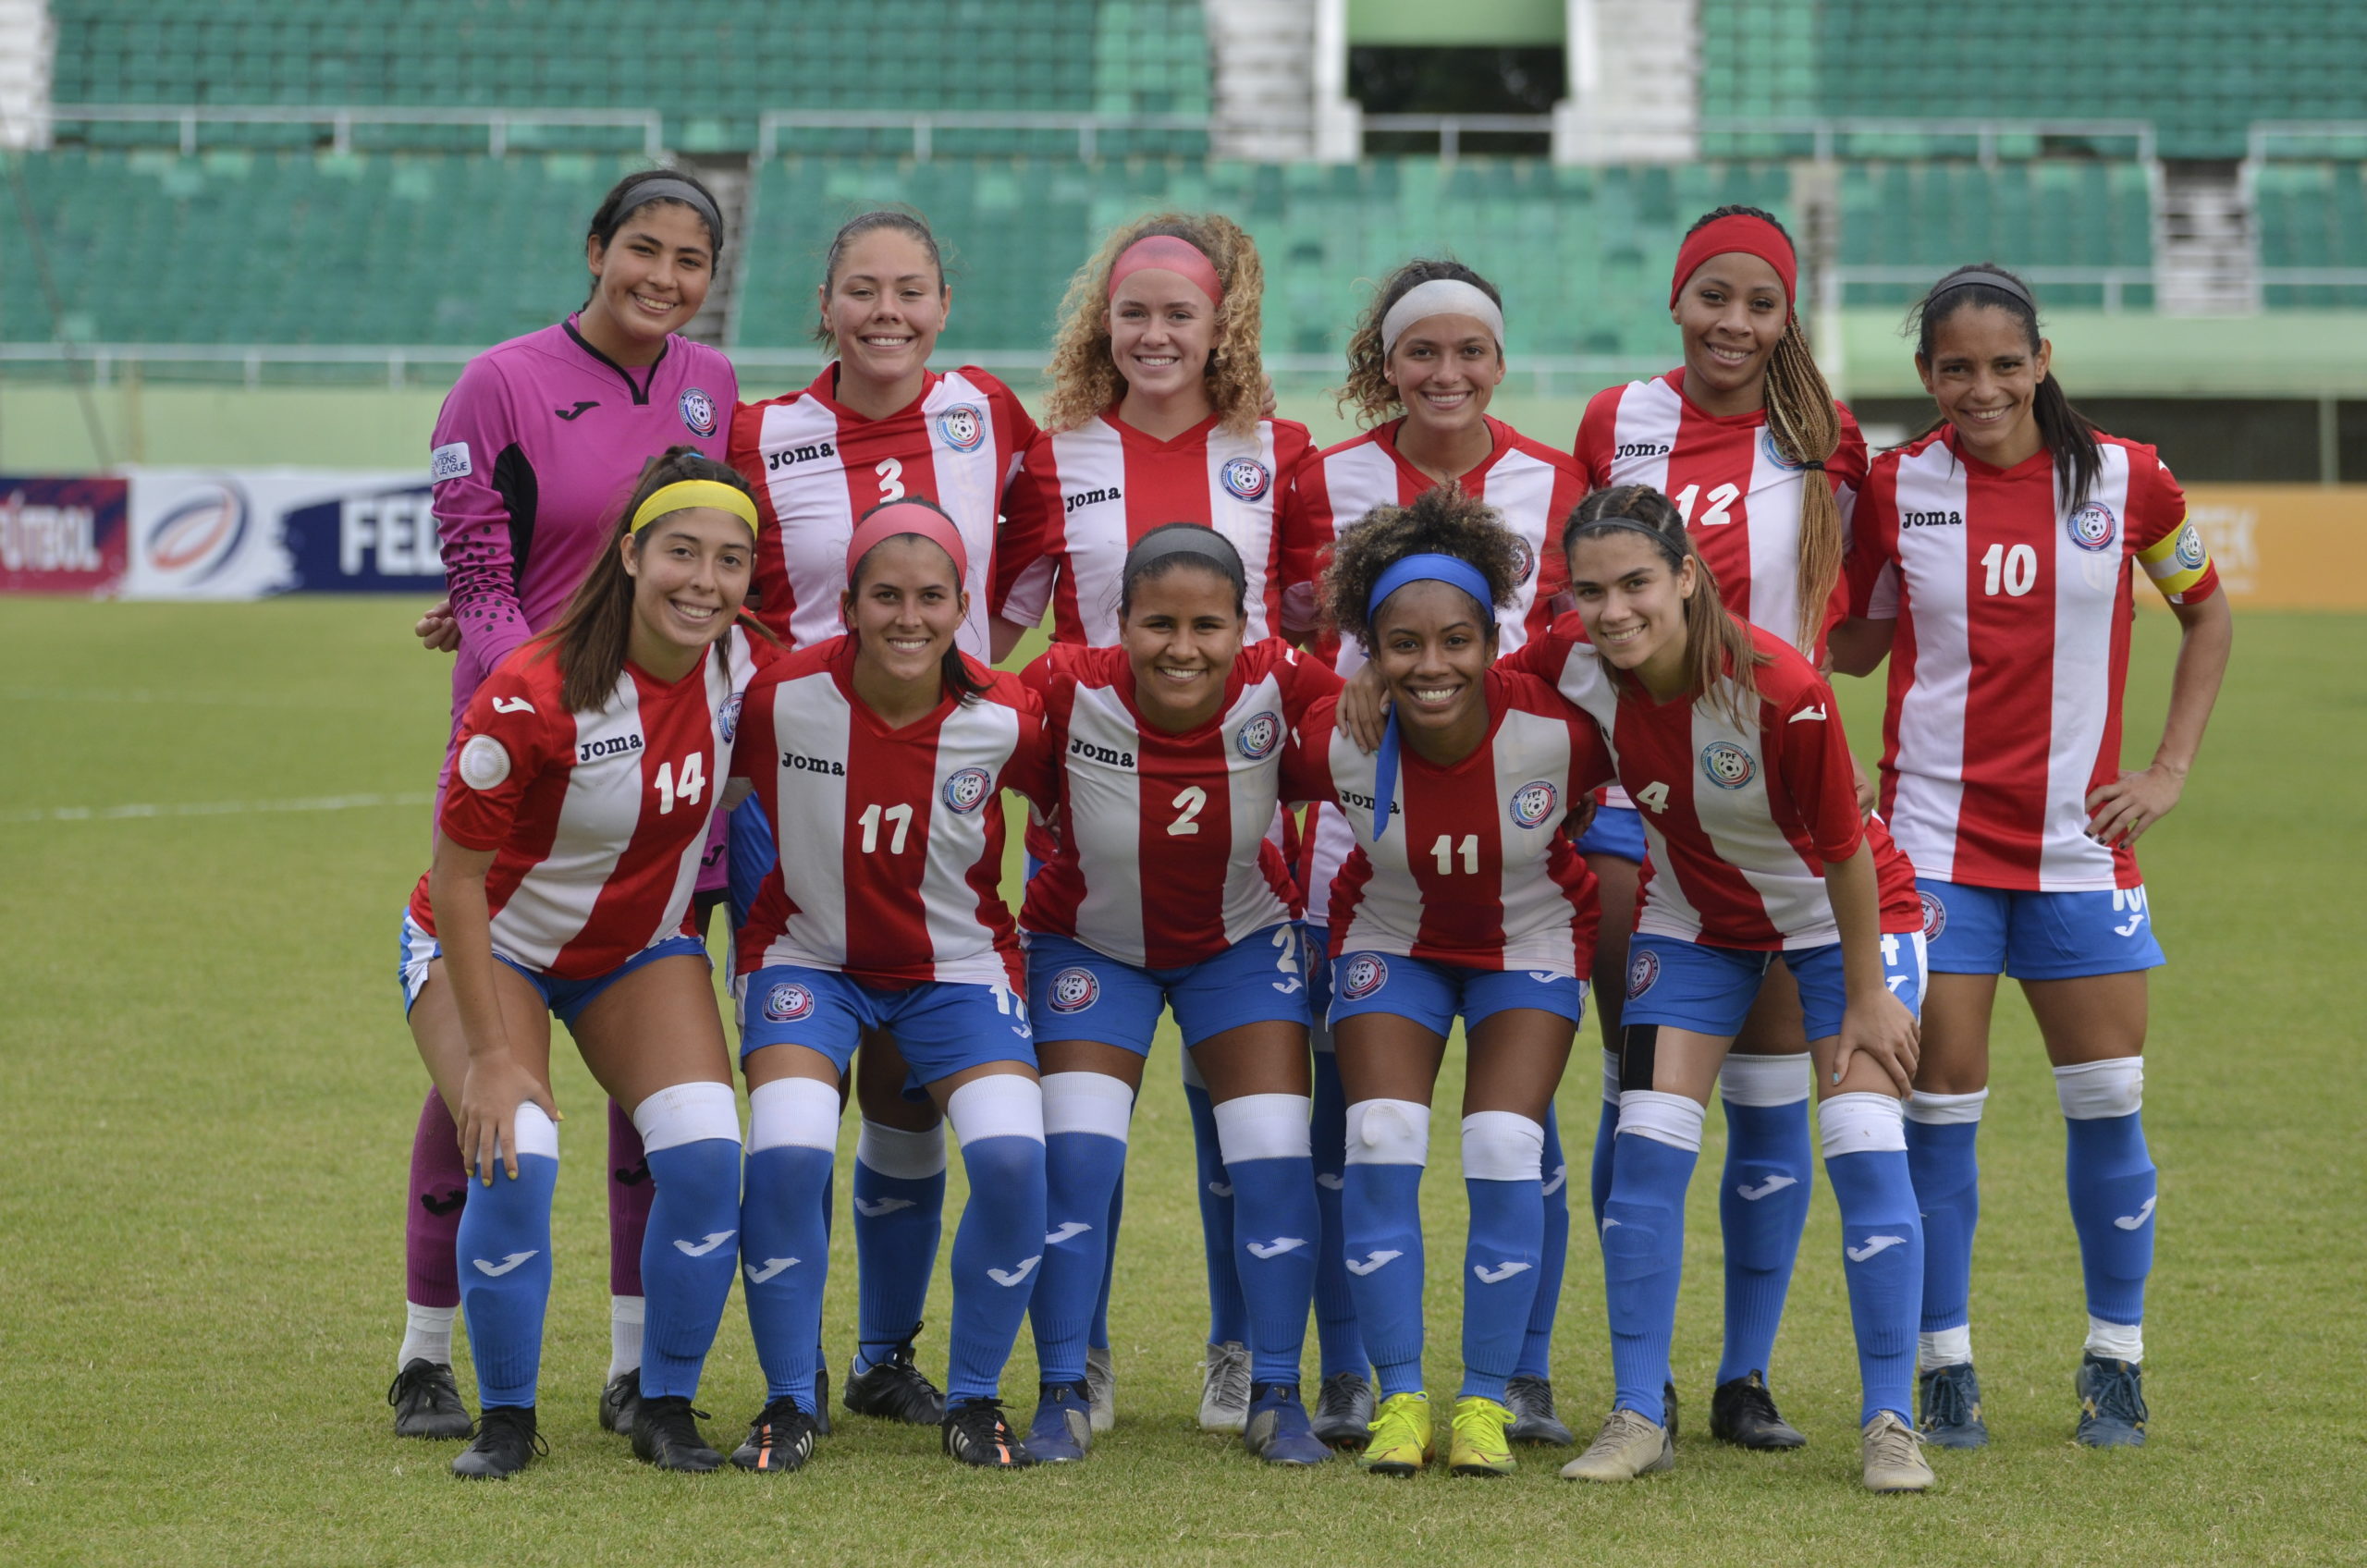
(1643, 450)
(1089, 498)
(1350, 798)
(790, 457)
(1930, 519)
(612, 746)
(1087, 750)
(796, 764)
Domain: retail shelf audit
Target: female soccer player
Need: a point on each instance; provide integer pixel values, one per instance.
(1746, 437)
(1156, 416)
(877, 424)
(1728, 741)
(1424, 361)
(893, 745)
(1163, 890)
(537, 439)
(1995, 552)
(566, 849)
(1460, 896)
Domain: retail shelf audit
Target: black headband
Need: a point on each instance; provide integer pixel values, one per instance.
(668, 188)
(1192, 540)
(1987, 277)
(1635, 525)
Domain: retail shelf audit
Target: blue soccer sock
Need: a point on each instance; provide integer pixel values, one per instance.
(1501, 1158)
(784, 1229)
(1762, 1200)
(1536, 1343)
(1380, 1214)
(1606, 1136)
(2111, 1179)
(1881, 1244)
(1263, 1139)
(899, 1216)
(1228, 1314)
(1099, 1336)
(1643, 1241)
(504, 1250)
(1000, 1244)
(1340, 1345)
(1941, 1134)
(1086, 1117)
(690, 1135)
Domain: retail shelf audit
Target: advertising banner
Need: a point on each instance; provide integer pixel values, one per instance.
(204, 534)
(2284, 546)
(62, 536)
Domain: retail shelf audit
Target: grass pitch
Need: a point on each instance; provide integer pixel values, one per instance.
(206, 1095)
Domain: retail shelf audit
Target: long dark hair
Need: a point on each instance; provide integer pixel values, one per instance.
(622, 204)
(954, 671)
(2068, 434)
(590, 636)
(1716, 643)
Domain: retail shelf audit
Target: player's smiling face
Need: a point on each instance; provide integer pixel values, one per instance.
(887, 303)
(1445, 369)
(1181, 635)
(648, 281)
(1433, 646)
(1985, 375)
(1731, 315)
(905, 608)
(1162, 327)
(689, 570)
(1631, 601)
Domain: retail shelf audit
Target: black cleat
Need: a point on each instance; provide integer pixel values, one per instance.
(1743, 1412)
(1950, 1406)
(665, 1433)
(1534, 1421)
(1668, 1407)
(779, 1439)
(506, 1441)
(427, 1401)
(895, 1390)
(1343, 1411)
(619, 1401)
(2112, 1403)
(821, 1398)
(975, 1432)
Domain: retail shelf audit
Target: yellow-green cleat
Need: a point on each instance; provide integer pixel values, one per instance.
(1475, 1441)
(1401, 1443)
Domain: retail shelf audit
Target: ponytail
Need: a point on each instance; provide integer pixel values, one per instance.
(2069, 435)
(1717, 646)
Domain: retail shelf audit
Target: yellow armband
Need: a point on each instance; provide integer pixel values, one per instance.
(2179, 562)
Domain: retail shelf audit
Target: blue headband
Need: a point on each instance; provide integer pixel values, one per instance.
(1456, 572)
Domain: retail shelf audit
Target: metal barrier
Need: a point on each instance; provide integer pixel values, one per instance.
(1827, 138)
(342, 117)
(924, 126)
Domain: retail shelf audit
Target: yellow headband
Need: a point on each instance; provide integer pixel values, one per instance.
(684, 494)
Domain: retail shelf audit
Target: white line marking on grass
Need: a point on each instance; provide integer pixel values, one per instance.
(214, 808)
(185, 699)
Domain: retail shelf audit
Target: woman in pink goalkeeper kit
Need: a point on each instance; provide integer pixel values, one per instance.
(535, 446)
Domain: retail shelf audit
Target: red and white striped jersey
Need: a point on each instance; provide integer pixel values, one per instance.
(1085, 495)
(1741, 500)
(1532, 488)
(816, 466)
(2011, 651)
(889, 862)
(1738, 818)
(1475, 868)
(596, 819)
(1163, 856)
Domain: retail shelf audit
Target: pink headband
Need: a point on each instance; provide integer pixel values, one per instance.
(908, 517)
(1167, 253)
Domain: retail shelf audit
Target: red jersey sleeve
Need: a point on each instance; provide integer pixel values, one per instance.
(1870, 568)
(502, 746)
(1306, 680)
(1024, 567)
(1305, 527)
(752, 740)
(1813, 752)
(1033, 770)
(1597, 428)
(1306, 760)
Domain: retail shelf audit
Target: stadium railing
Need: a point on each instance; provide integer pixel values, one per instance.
(342, 117)
(1826, 140)
(922, 126)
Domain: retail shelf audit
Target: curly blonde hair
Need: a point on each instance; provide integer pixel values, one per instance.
(1368, 388)
(1085, 378)
(1441, 521)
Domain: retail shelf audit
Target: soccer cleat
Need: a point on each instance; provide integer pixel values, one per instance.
(505, 1442)
(619, 1400)
(665, 1433)
(1062, 1430)
(427, 1401)
(1278, 1430)
(1475, 1443)
(2112, 1403)
(1631, 1444)
(895, 1390)
(1343, 1411)
(975, 1432)
(1893, 1456)
(1224, 1394)
(779, 1439)
(1949, 1399)
(1668, 1407)
(1101, 1383)
(1743, 1412)
(1401, 1442)
(822, 1397)
(1534, 1421)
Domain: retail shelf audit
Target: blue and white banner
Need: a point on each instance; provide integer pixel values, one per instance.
(211, 534)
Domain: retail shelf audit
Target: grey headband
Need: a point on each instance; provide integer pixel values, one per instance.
(1987, 277)
(1193, 540)
(666, 188)
(1635, 525)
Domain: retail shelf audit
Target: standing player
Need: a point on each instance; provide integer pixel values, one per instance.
(565, 849)
(1995, 553)
(893, 745)
(1462, 896)
(533, 448)
(1745, 438)
(1163, 890)
(1429, 350)
(878, 425)
(1728, 741)
(1155, 417)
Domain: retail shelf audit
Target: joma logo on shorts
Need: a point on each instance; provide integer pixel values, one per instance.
(614, 746)
(1090, 497)
(1101, 753)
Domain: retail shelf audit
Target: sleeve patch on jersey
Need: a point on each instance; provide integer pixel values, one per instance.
(449, 461)
(485, 762)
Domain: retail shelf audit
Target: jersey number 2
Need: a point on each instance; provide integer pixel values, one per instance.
(685, 784)
(1189, 804)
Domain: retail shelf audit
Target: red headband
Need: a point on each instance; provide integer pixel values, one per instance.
(1165, 252)
(1752, 236)
(908, 517)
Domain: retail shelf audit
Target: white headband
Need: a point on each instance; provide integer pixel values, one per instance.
(1441, 297)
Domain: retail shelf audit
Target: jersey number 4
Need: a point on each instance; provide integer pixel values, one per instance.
(684, 784)
(1653, 796)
